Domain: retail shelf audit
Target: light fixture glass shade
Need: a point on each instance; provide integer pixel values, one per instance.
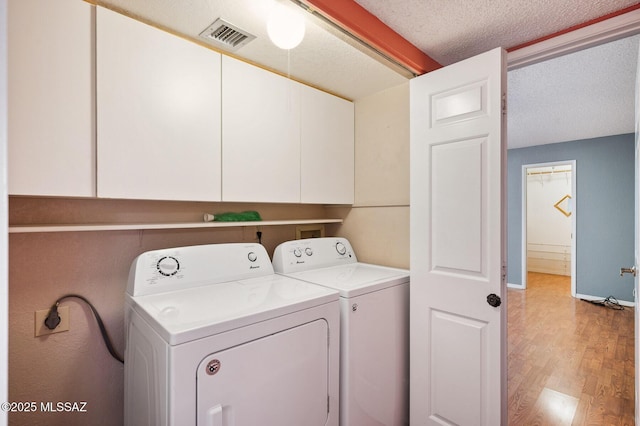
(285, 27)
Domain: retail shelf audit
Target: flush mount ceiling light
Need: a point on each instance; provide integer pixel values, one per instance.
(285, 27)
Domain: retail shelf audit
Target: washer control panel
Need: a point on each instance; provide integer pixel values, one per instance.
(182, 267)
(312, 253)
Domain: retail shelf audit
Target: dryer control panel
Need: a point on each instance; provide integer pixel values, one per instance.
(312, 253)
(176, 268)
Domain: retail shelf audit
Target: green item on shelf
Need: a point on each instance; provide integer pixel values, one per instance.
(246, 216)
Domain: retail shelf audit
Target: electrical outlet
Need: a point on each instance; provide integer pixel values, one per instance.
(42, 329)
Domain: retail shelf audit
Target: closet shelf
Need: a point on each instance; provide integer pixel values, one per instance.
(21, 229)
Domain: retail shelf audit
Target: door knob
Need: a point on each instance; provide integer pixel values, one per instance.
(494, 300)
(631, 270)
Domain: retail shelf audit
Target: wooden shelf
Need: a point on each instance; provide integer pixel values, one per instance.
(21, 229)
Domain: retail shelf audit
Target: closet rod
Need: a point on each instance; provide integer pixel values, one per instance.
(548, 173)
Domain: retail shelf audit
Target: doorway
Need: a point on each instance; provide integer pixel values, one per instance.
(549, 220)
(597, 263)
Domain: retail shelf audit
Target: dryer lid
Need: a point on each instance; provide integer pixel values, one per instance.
(355, 279)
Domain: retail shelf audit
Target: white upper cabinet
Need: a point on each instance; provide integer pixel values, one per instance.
(327, 144)
(103, 105)
(283, 141)
(51, 127)
(158, 113)
(260, 134)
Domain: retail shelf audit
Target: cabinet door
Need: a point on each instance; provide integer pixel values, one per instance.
(51, 125)
(260, 135)
(327, 157)
(158, 113)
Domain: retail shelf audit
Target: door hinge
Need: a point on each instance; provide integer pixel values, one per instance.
(504, 104)
(631, 271)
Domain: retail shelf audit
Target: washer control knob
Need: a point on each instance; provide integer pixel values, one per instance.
(308, 251)
(252, 256)
(168, 266)
(340, 248)
(297, 252)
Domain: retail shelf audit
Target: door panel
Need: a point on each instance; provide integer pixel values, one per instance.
(458, 373)
(460, 103)
(457, 221)
(260, 135)
(280, 379)
(458, 340)
(51, 123)
(158, 113)
(375, 369)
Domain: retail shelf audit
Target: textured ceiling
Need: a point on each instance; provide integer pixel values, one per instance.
(452, 30)
(578, 96)
(324, 59)
(582, 95)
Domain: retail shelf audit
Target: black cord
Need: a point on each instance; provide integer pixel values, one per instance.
(609, 302)
(53, 319)
(612, 302)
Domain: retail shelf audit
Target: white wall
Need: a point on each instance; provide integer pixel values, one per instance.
(548, 229)
(4, 284)
(378, 223)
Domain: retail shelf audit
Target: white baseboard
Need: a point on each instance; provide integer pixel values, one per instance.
(579, 296)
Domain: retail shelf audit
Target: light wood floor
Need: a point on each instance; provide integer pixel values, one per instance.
(569, 362)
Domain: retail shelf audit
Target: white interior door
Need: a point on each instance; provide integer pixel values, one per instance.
(458, 228)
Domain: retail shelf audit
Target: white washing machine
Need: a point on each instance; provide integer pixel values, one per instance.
(374, 328)
(214, 337)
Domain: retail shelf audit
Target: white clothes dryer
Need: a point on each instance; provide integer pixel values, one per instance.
(215, 337)
(374, 326)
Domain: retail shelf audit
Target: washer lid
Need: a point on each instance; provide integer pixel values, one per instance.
(355, 279)
(194, 313)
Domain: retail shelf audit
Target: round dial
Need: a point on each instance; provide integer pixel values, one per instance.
(252, 257)
(340, 248)
(308, 251)
(168, 266)
(297, 252)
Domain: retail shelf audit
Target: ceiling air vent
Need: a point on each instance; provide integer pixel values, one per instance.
(225, 35)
